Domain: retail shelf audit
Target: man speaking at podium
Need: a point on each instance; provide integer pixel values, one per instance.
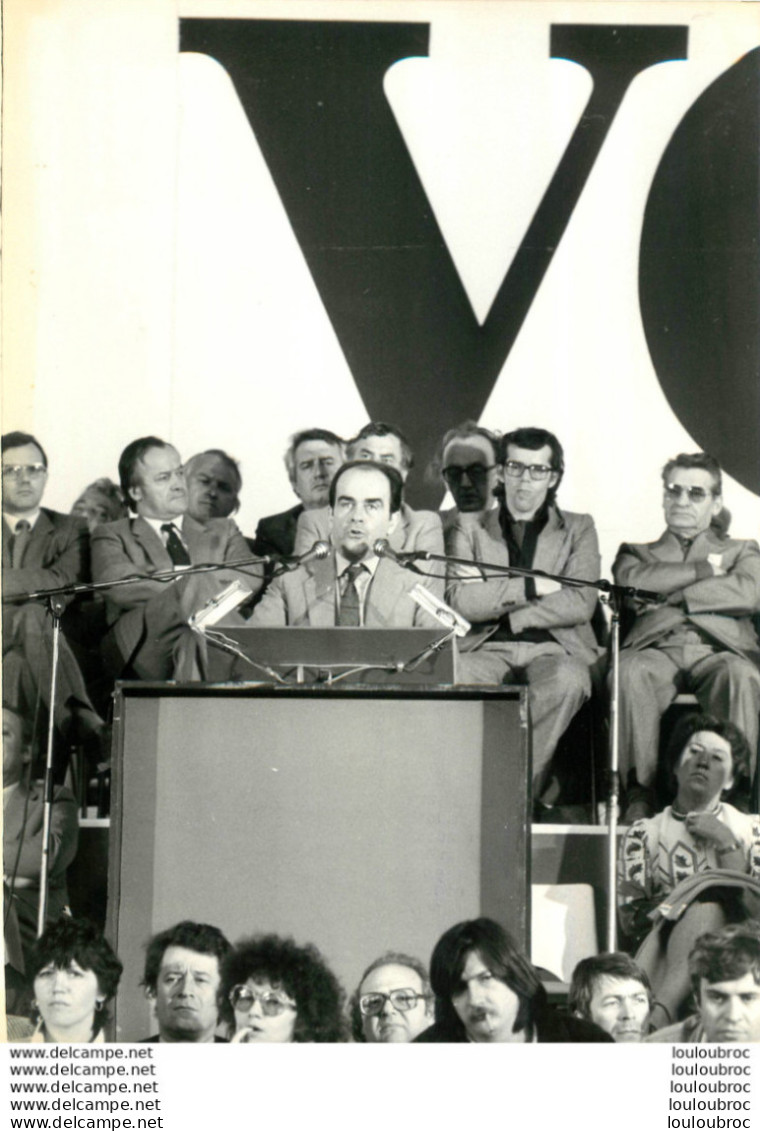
(347, 584)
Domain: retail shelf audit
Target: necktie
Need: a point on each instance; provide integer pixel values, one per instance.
(20, 542)
(350, 605)
(174, 546)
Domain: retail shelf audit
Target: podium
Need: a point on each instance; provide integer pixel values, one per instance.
(359, 819)
(397, 656)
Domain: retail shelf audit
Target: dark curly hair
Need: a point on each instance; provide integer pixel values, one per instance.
(302, 972)
(694, 724)
(390, 958)
(78, 940)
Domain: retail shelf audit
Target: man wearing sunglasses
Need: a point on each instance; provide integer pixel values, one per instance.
(393, 1003)
(538, 631)
(42, 549)
(702, 640)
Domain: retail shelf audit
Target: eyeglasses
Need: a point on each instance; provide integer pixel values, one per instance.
(402, 1000)
(19, 470)
(475, 472)
(272, 1003)
(674, 491)
(537, 471)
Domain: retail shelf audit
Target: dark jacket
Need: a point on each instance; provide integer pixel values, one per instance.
(552, 1027)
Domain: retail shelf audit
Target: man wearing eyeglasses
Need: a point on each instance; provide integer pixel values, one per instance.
(703, 639)
(393, 1003)
(42, 549)
(538, 631)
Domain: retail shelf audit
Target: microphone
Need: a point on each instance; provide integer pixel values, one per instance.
(319, 550)
(382, 549)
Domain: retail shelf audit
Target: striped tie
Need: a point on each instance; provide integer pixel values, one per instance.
(350, 605)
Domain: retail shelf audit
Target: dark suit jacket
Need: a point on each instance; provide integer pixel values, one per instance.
(57, 554)
(64, 836)
(276, 534)
(721, 607)
(306, 597)
(552, 1027)
(131, 546)
(567, 545)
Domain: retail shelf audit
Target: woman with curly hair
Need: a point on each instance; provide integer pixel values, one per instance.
(693, 867)
(281, 992)
(75, 973)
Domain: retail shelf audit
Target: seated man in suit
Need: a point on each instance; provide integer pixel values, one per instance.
(539, 631)
(703, 640)
(41, 550)
(312, 458)
(148, 618)
(214, 483)
(351, 586)
(183, 977)
(23, 812)
(470, 466)
(415, 530)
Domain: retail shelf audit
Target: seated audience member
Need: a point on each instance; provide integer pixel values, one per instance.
(696, 865)
(392, 1003)
(614, 993)
(487, 991)
(281, 992)
(41, 550)
(415, 530)
(101, 501)
(724, 967)
(351, 586)
(23, 816)
(75, 973)
(214, 484)
(148, 633)
(539, 631)
(183, 978)
(703, 639)
(312, 458)
(469, 464)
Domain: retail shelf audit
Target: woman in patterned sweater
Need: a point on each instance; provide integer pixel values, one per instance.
(669, 890)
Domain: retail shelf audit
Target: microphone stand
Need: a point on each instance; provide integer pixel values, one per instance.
(615, 594)
(54, 598)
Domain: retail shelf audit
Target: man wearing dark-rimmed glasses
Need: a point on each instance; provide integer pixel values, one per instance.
(393, 1002)
(539, 632)
(703, 639)
(42, 549)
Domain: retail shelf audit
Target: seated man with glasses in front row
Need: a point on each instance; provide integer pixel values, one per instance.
(537, 631)
(702, 639)
(393, 1003)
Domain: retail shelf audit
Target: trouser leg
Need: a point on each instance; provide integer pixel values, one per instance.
(648, 684)
(558, 687)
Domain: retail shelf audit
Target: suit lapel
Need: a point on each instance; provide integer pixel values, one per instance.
(150, 544)
(319, 592)
(36, 550)
(388, 587)
(549, 545)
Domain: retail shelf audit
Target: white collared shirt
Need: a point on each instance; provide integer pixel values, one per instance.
(13, 520)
